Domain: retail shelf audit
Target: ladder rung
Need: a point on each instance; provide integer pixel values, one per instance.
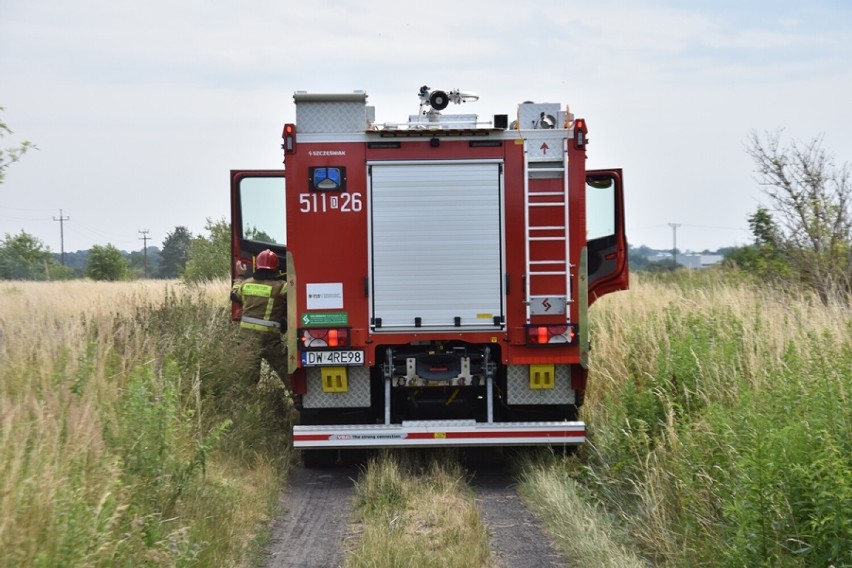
(548, 273)
(548, 228)
(547, 238)
(545, 193)
(547, 262)
(554, 204)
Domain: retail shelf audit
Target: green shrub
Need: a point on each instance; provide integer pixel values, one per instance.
(790, 492)
(727, 444)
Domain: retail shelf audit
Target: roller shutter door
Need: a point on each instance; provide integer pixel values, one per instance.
(436, 245)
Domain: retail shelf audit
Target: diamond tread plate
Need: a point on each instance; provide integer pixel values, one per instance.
(519, 391)
(357, 396)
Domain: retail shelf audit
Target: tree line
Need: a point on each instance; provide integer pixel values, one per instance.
(193, 258)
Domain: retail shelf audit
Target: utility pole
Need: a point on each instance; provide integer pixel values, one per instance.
(674, 227)
(144, 238)
(62, 234)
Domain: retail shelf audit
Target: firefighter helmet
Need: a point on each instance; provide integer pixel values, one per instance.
(267, 260)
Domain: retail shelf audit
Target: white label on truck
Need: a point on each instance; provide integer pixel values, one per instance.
(325, 296)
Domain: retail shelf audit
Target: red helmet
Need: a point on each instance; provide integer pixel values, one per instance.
(267, 260)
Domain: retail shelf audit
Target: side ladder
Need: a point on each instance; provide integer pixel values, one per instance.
(550, 297)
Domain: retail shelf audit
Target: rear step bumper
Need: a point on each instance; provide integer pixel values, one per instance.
(437, 433)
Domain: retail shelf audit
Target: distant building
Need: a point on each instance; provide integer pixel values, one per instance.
(690, 260)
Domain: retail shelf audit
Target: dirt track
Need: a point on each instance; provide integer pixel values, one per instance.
(517, 539)
(316, 508)
(318, 504)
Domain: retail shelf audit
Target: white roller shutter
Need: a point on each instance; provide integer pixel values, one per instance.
(436, 245)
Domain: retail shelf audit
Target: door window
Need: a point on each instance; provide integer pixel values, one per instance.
(600, 207)
(262, 207)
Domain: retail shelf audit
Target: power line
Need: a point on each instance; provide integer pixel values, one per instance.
(23, 208)
(717, 228)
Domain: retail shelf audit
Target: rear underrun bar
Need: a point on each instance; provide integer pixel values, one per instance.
(440, 433)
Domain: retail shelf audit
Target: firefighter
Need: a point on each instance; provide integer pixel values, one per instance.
(263, 298)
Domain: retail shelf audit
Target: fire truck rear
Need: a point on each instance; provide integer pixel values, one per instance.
(440, 271)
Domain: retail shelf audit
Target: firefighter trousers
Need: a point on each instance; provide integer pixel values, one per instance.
(269, 347)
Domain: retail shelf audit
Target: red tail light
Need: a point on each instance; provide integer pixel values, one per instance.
(325, 337)
(551, 334)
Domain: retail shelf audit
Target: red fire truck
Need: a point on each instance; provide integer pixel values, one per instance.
(440, 270)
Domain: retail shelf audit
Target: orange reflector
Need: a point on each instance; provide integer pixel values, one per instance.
(333, 340)
(542, 335)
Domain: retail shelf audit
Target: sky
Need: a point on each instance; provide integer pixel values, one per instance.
(140, 109)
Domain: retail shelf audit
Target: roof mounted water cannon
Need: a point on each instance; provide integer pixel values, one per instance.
(439, 100)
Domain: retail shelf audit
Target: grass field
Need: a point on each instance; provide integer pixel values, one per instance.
(721, 427)
(130, 433)
(719, 415)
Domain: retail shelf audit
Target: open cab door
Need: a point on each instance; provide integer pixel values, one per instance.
(258, 220)
(606, 240)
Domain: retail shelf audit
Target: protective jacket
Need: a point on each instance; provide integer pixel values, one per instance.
(264, 303)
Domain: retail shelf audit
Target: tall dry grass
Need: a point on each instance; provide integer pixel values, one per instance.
(720, 420)
(125, 437)
(582, 529)
(718, 411)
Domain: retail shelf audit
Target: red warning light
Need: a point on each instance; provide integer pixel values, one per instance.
(289, 136)
(580, 132)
